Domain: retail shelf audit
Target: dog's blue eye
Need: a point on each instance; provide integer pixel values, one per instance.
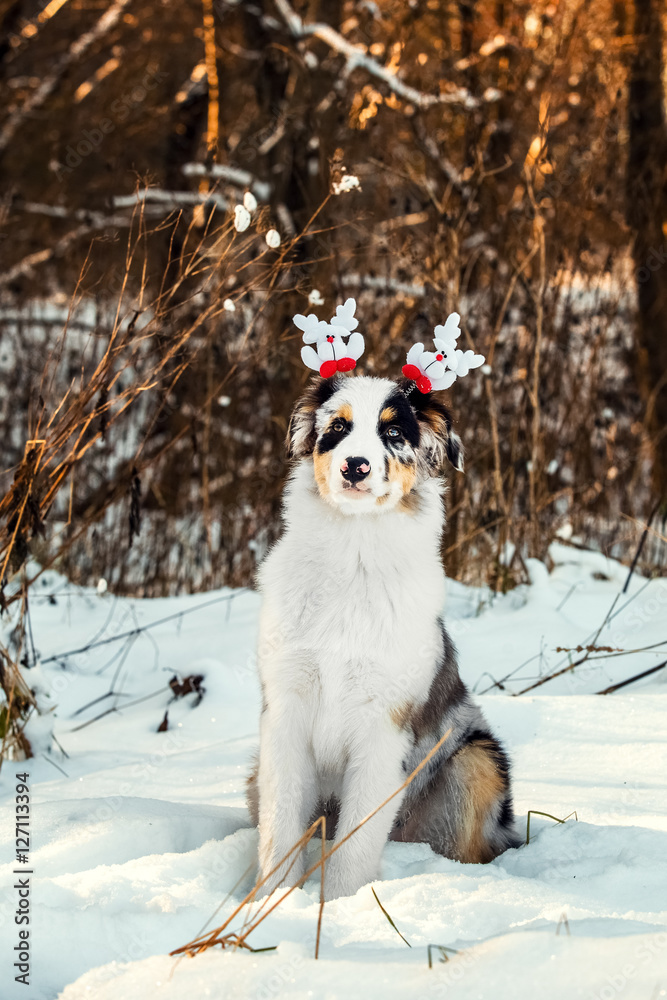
(393, 432)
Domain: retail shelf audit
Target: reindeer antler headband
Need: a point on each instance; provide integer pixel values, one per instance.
(431, 370)
(332, 354)
(427, 370)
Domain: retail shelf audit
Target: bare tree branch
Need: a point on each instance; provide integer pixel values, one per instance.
(95, 220)
(26, 266)
(172, 198)
(48, 85)
(356, 57)
(233, 175)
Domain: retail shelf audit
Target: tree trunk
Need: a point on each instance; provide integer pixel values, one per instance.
(647, 215)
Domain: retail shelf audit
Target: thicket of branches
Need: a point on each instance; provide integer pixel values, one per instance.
(510, 159)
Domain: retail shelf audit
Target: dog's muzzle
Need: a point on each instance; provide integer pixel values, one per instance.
(355, 469)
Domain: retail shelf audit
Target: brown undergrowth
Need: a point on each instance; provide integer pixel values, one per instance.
(128, 372)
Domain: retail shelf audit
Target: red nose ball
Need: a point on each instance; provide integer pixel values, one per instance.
(346, 364)
(411, 372)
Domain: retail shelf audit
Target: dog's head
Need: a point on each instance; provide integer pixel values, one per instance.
(371, 445)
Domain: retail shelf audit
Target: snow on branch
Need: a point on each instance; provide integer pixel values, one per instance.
(27, 265)
(171, 198)
(91, 221)
(380, 284)
(94, 220)
(356, 57)
(233, 175)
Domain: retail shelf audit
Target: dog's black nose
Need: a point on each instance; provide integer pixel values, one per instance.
(355, 469)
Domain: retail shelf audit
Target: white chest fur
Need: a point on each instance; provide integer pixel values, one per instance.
(350, 606)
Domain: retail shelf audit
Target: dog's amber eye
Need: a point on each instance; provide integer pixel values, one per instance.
(338, 426)
(393, 432)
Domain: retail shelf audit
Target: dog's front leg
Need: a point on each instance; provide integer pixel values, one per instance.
(374, 771)
(286, 790)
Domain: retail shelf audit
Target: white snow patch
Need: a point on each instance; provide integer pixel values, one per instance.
(348, 182)
(139, 844)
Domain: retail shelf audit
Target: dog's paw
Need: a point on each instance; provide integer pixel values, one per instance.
(281, 879)
(272, 885)
(340, 880)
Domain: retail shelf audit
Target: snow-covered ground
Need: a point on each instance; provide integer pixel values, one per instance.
(136, 846)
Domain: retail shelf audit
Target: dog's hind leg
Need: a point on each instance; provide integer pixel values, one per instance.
(465, 811)
(486, 818)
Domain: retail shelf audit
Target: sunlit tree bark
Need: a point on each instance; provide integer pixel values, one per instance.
(647, 214)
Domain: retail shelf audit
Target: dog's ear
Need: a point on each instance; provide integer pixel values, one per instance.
(301, 433)
(437, 440)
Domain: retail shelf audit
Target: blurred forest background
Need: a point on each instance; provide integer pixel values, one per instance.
(510, 162)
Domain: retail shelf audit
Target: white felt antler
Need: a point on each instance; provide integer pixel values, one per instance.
(345, 316)
(456, 360)
(313, 328)
(332, 353)
(431, 371)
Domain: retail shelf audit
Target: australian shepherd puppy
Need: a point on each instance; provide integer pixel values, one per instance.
(359, 676)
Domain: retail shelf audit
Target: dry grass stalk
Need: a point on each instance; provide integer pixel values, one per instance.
(442, 950)
(538, 295)
(152, 343)
(537, 812)
(238, 939)
(97, 399)
(389, 918)
(19, 699)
